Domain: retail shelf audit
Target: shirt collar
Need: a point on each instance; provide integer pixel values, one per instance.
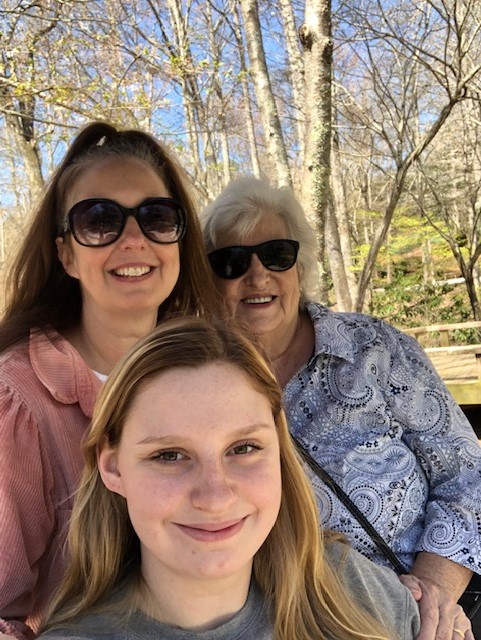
(62, 371)
(330, 338)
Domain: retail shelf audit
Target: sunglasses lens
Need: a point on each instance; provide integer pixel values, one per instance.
(96, 224)
(230, 263)
(278, 255)
(161, 222)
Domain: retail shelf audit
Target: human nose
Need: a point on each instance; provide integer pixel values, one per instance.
(214, 491)
(132, 235)
(257, 274)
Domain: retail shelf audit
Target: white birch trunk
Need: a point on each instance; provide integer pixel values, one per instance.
(296, 71)
(317, 42)
(265, 98)
(251, 137)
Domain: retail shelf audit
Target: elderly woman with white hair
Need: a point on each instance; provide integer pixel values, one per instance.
(363, 404)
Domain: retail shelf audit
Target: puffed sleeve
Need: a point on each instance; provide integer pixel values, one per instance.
(446, 447)
(26, 512)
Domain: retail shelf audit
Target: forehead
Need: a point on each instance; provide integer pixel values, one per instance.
(116, 178)
(269, 227)
(215, 397)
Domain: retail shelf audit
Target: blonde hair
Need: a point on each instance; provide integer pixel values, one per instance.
(304, 595)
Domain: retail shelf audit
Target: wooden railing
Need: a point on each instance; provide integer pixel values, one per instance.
(443, 331)
(458, 365)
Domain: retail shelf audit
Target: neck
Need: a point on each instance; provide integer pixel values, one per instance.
(196, 605)
(102, 341)
(298, 348)
(292, 337)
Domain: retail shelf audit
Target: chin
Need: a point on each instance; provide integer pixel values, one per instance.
(260, 327)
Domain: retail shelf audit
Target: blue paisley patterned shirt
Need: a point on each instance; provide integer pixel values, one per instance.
(370, 408)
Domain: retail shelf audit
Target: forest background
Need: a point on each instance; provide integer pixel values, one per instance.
(369, 109)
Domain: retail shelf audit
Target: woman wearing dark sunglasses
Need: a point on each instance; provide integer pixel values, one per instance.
(361, 398)
(114, 248)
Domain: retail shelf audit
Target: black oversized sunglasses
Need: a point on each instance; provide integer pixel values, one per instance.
(233, 262)
(98, 222)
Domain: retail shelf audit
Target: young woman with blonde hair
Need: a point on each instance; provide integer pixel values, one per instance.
(194, 518)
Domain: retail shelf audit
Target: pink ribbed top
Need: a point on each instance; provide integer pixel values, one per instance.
(47, 394)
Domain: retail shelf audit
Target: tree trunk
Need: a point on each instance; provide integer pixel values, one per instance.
(21, 127)
(296, 71)
(428, 268)
(316, 39)
(341, 214)
(181, 50)
(27, 145)
(192, 100)
(467, 272)
(336, 262)
(251, 136)
(265, 98)
(473, 295)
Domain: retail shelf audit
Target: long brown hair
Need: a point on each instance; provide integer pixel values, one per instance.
(39, 291)
(305, 596)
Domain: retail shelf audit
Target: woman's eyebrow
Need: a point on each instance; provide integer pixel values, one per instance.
(173, 438)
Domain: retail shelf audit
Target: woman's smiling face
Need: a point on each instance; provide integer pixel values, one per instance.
(267, 300)
(133, 274)
(198, 464)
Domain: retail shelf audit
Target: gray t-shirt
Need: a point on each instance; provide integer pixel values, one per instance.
(375, 588)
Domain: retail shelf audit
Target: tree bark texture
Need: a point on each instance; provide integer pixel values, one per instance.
(265, 97)
(316, 39)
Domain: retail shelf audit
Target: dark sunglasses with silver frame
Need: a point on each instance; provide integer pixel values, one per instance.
(233, 262)
(98, 222)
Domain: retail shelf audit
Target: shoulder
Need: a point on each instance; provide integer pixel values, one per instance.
(250, 622)
(15, 359)
(90, 627)
(48, 367)
(346, 334)
(66, 635)
(24, 360)
(376, 589)
(18, 382)
(359, 571)
(349, 320)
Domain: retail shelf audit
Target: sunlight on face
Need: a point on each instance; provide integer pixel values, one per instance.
(134, 274)
(198, 464)
(268, 301)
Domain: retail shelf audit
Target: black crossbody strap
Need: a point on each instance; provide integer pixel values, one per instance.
(349, 504)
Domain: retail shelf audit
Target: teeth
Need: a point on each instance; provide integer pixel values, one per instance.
(259, 300)
(132, 271)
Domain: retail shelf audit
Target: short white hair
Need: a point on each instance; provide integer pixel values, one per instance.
(240, 207)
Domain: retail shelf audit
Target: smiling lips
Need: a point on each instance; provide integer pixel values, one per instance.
(132, 272)
(213, 532)
(259, 300)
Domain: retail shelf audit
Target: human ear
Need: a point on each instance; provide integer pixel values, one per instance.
(65, 255)
(108, 465)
